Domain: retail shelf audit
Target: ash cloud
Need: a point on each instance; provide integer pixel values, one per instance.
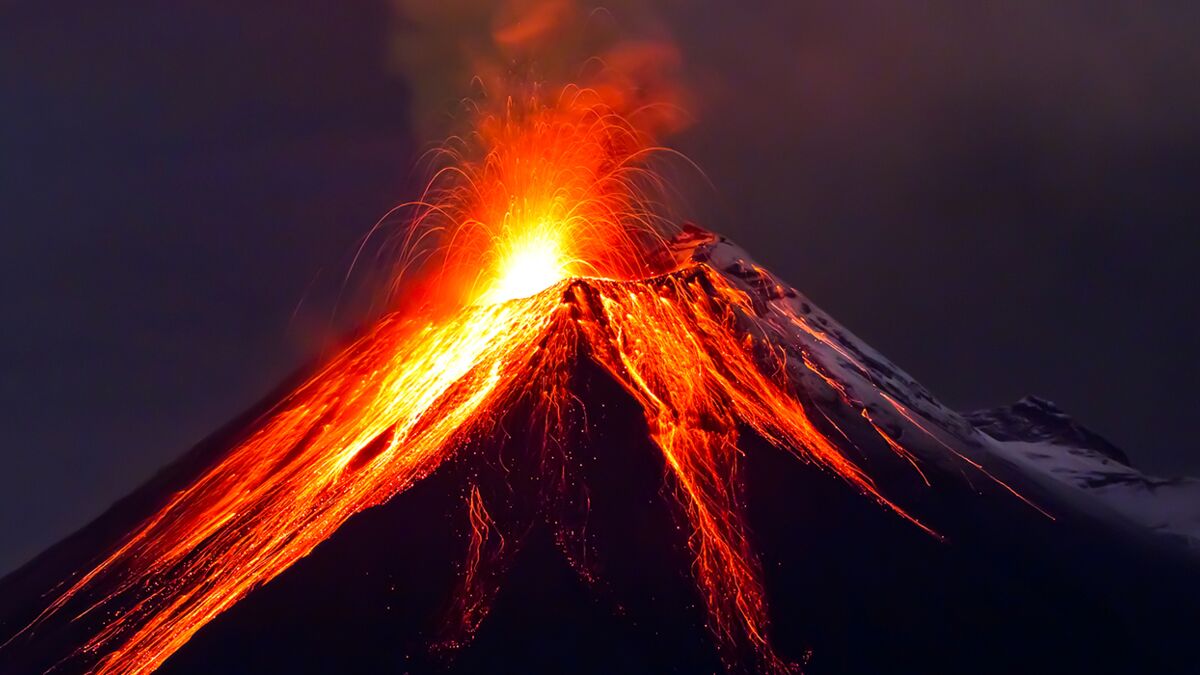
(453, 55)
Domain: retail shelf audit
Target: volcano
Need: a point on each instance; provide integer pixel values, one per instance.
(698, 471)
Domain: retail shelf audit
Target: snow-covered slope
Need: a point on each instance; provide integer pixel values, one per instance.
(1033, 437)
(1037, 435)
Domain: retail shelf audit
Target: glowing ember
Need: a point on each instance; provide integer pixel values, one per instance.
(551, 251)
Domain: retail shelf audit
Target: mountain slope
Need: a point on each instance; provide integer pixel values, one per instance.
(1037, 435)
(1033, 436)
(951, 554)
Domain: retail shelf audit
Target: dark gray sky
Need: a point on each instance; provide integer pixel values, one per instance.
(1001, 197)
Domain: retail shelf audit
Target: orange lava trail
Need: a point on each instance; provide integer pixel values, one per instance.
(473, 597)
(904, 412)
(379, 417)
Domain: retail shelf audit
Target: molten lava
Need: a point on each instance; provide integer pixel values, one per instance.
(550, 250)
(531, 267)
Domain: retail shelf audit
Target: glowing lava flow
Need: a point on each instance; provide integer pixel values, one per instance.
(374, 420)
(552, 255)
(679, 346)
(389, 409)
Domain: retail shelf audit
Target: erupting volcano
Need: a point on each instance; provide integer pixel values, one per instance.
(554, 255)
(540, 261)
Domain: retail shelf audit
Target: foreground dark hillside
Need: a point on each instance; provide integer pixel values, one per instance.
(864, 591)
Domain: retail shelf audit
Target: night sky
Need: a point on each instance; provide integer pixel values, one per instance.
(1000, 198)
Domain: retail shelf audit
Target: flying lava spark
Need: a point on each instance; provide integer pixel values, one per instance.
(541, 242)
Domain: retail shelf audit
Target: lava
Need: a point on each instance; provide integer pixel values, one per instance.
(550, 249)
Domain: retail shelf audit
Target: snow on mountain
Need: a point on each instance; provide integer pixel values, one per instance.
(822, 350)
(1037, 435)
(1032, 436)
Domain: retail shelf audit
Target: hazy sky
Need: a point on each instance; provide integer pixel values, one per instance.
(1001, 197)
